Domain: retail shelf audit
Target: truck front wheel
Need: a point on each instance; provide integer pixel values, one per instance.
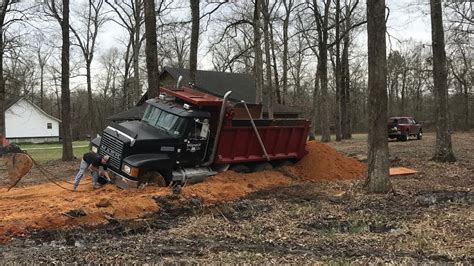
(152, 177)
(419, 136)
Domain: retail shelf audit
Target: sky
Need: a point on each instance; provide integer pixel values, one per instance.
(407, 19)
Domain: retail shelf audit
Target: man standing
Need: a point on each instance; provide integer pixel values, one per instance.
(92, 161)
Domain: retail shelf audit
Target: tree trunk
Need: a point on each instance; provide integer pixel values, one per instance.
(404, 83)
(322, 29)
(286, 22)
(2, 87)
(466, 108)
(65, 92)
(136, 94)
(151, 49)
(323, 75)
(42, 86)
(378, 164)
(258, 62)
(90, 104)
(126, 75)
(3, 12)
(268, 88)
(443, 150)
(275, 67)
(193, 50)
(315, 106)
(346, 83)
(338, 74)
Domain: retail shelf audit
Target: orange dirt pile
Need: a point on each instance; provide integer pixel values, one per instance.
(24, 209)
(230, 185)
(324, 163)
(18, 165)
(43, 206)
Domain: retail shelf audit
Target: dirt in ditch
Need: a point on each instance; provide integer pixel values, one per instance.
(47, 206)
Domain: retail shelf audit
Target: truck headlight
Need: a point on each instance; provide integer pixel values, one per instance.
(94, 149)
(130, 170)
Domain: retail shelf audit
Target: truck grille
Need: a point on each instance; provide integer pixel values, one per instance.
(112, 147)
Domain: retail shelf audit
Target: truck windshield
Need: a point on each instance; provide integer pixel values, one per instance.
(158, 118)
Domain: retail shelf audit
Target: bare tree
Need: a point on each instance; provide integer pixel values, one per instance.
(129, 15)
(194, 40)
(346, 108)
(3, 13)
(43, 53)
(258, 61)
(289, 7)
(322, 23)
(151, 49)
(443, 149)
(91, 20)
(7, 7)
(338, 71)
(378, 170)
(63, 19)
(268, 88)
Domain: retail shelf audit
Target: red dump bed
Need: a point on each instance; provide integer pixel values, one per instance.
(283, 139)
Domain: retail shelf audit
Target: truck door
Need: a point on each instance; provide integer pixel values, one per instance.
(195, 144)
(412, 124)
(416, 126)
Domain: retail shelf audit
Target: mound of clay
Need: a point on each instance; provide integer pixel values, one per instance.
(230, 185)
(324, 163)
(18, 165)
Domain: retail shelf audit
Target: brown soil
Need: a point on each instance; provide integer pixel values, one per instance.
(427, 218)
(36, 207)
(324, 163)
(19, 164)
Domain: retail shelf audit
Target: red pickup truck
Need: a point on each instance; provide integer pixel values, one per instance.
(403, 127)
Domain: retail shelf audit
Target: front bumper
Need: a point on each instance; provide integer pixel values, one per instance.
(121, 181)
(393, 133)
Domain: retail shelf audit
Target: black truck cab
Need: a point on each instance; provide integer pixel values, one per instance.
(170, 135)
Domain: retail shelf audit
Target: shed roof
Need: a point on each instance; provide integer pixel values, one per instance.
(12, 101)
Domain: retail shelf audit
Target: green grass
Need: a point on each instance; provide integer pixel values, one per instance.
(44, 153)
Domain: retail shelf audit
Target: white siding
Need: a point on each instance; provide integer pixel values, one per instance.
(24, 120)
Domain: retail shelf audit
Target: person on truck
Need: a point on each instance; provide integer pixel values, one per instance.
(92, 161)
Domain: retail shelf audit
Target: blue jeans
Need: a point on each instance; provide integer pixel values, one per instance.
(82, 169)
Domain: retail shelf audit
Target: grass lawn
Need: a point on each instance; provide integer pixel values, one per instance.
(43, 153)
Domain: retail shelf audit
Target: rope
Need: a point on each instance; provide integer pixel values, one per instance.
(46, 172)
(41, 168)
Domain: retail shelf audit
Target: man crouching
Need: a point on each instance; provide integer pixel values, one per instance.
(92, 161)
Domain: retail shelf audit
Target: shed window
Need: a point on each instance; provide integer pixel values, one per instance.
(49, 125)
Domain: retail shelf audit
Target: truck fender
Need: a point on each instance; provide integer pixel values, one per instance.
(159, 162)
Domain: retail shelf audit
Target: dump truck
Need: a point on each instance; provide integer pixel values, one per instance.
(186, 135)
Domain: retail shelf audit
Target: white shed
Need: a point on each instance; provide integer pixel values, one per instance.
(26, 122)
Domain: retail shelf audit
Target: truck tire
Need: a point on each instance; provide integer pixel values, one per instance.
(240, 168)
(262, 167)
(152, 177)
(419, 136)
(403, 137)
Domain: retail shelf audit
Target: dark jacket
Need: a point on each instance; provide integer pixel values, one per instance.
(94, 159)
